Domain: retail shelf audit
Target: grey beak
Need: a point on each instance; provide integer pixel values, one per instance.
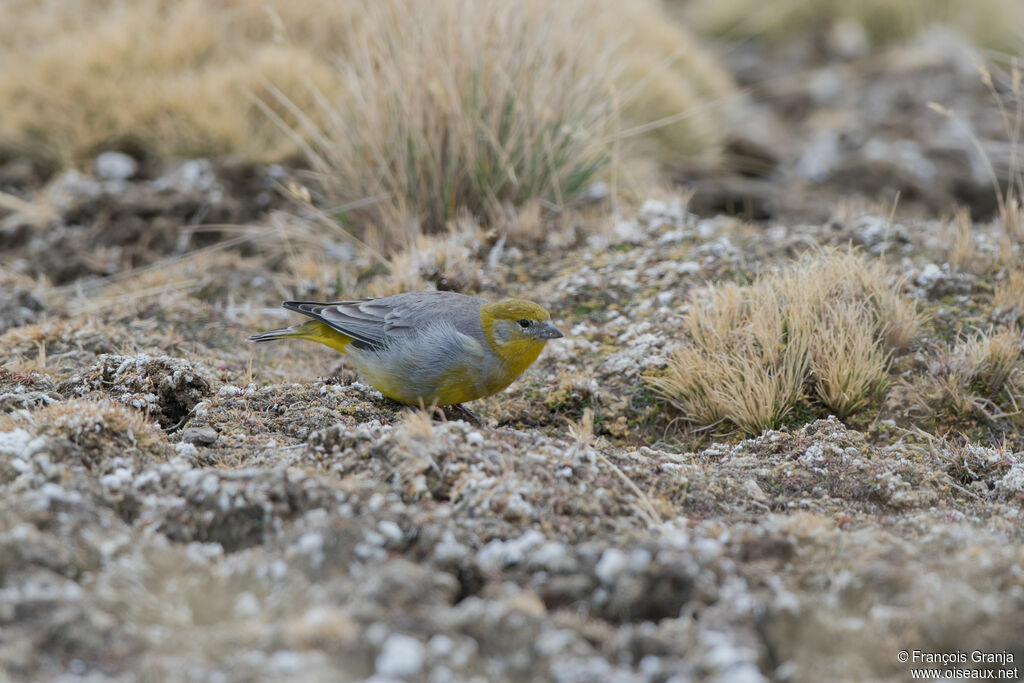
(546, 330)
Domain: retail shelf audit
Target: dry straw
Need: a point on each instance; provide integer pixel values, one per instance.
(825, 326)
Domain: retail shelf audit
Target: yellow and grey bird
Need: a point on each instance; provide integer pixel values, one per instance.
(434, 348)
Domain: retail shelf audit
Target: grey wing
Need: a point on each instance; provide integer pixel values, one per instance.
(372, 322)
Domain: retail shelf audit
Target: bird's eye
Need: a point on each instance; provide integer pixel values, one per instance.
(523, 323)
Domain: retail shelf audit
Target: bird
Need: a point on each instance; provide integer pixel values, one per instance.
(433, 348)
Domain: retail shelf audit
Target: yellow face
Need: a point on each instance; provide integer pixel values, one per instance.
(517, 320)
(517, 330)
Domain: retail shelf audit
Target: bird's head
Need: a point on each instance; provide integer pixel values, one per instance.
(516, 330)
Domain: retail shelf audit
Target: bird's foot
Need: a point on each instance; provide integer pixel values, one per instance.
(461, 412)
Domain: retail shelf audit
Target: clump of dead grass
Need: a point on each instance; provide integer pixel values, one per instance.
(963, 254)
(974, 466)
(165, 77)
(847, 360)
(995, 355)
(989, 23)
(979, 375)
(417, 108)
(1008, 298)
(827, 324)
(463, 105)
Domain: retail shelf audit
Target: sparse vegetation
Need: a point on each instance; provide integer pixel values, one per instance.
(829, 321)
(963, 254)
(409, 111)
(166, 78)
(847, 358)
(435, 119)
(1003, 167)
(990, 23)
(175, 503)
(979, 376)
(1008, 298)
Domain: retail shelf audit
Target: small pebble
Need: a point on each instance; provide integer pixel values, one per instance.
(401, 655)
(200, 436)
(116, 166)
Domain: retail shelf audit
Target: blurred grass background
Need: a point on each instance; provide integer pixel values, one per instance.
(182, 78)
(992, 24)
(410, 110)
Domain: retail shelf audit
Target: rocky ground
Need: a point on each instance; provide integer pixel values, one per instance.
(177, 504)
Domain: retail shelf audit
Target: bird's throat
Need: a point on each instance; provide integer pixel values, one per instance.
(517, 355)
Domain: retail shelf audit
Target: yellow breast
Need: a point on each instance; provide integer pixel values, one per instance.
(458, 384)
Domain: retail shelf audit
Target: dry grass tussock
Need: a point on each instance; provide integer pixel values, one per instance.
(413, 108)
(484, 105)
(171, 78)
(468, 105)
(989, 23)
(1008, 298)
(963, 251)
(979, 375)
(825, 325)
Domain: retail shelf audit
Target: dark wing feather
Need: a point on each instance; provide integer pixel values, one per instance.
(366, 328)
(370, 322)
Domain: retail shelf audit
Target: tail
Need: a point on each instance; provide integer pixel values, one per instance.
(314, 330)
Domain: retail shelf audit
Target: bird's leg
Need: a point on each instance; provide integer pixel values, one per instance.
(459, 411)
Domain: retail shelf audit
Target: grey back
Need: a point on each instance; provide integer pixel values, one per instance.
(372, 323)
